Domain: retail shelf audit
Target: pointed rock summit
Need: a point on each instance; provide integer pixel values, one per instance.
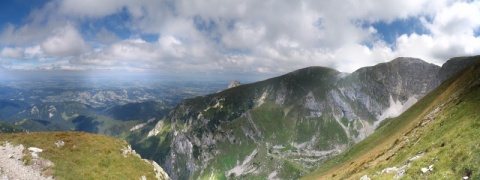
(233, 84)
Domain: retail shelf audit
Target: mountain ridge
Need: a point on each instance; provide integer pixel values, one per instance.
(203, 127)
(427, 141)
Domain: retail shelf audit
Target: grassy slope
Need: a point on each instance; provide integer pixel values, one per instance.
(155, 147)
(276, 129)
(85, 156)
(448, 139)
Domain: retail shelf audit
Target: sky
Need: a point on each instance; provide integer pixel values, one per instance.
(231, 39)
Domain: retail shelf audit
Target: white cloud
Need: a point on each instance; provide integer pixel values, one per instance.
(415, 45)
(351, 57)
(460, 18)
(38, 24)
(244, 35)
(130, 53)
(241, 36)
(65, 41)
(136, 53)
(172, 46)
(34, 52)
(13, 53)
(437, 49)
(452, 34)
(90, 8)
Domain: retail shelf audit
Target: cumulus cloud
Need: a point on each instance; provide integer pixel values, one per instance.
(460, 18)
(65, 41)
(130, 52)
(34, 28)
(90, 8)
(239, 36)
(13, 53)
(353, 56)
(167, 53)
(34, 52)
(452, 34)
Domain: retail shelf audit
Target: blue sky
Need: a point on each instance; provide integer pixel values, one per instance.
(230, 39)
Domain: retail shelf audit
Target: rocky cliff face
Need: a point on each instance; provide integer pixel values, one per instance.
(285, 126)
(388, 89)
(455, 65)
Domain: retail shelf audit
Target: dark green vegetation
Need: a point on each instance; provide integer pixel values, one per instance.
(155, 147)
(135, 111)
(84, 156)
(74, 116)
(9, 108)
(440, 131)
(9, 128)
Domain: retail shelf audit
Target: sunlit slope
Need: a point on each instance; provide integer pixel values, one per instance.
(83, 155)
(440, 134)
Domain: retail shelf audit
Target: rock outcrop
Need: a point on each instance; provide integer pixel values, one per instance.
(13, 166)
(160, 174)
(233, 84)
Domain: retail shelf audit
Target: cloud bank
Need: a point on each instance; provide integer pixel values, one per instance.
(236, 37)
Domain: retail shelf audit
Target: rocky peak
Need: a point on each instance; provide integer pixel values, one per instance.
(455, 65)
(233, 84)
(406, 60)
(402, 76)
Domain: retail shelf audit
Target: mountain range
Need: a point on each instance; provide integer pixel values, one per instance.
(287, 126)
(315, 122)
